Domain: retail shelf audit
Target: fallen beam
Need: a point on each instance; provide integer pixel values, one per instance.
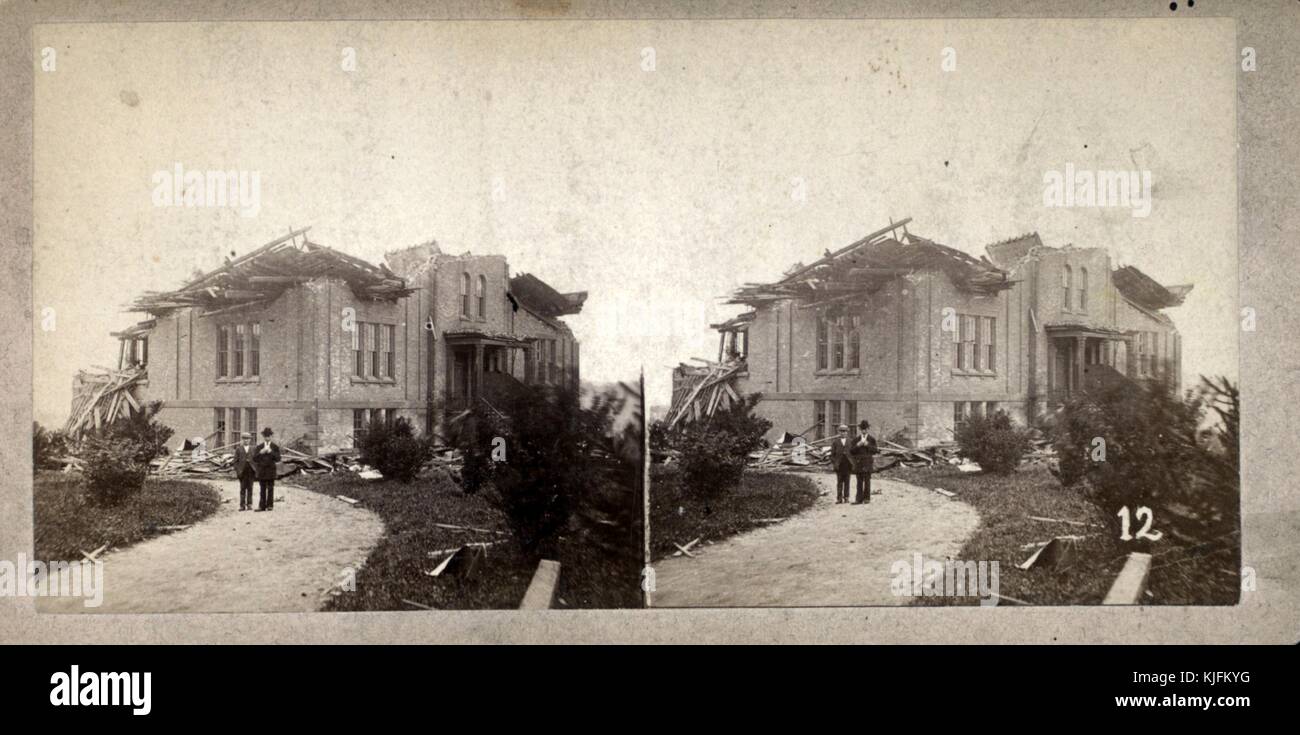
(1131, 582)
(541, 591)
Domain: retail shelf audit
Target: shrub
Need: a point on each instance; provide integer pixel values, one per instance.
(47, 446)
(714, 450)
(539, 457)
(112, 472)
(993, 442)
(394, 449)
(1143, 445)
(117, 456)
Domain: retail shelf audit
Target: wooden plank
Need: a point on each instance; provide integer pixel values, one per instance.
(541, 591)
(1131, 582)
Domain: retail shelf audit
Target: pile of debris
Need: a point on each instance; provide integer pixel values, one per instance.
(698, 391)
(196, 459)
(102, 396)
(795, 450)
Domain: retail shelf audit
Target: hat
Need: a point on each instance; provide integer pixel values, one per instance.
(863, 424)
(245, 435)
(267, 431)
(845, 427)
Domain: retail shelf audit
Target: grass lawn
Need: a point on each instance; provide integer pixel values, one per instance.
(66, 522)
(1005, 504)
(679, 515)
(394, 571)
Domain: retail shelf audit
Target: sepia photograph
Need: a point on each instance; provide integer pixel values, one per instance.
(549, 321)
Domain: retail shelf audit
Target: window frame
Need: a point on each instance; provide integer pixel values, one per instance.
(480, 295)
(464, 294)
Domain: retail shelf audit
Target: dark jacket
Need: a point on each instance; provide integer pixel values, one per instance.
(265, 462)
(243, 461)
(840, 459)
(862, 451)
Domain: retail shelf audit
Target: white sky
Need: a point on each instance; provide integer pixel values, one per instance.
(656, 191)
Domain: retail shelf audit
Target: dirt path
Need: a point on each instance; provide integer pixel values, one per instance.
(284, 560)
(828, 555)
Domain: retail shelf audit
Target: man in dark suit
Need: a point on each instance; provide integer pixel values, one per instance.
(265, 458)
(863, 452)
(842, 464)
(244, 470)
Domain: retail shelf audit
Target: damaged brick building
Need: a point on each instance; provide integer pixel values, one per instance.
(916, 336)
(315, 343)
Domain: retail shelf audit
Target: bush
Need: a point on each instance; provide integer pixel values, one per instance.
(111, 470)
(1142, 445)
(540, 458)
(993, 442)
(394, 449)
(47, 447)
(117, 456)
(714, 450)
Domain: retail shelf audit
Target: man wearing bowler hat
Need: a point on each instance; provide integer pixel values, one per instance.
(863, 452)
(244, 471)
(265, 458)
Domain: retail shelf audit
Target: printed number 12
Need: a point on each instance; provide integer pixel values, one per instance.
(1144, 532)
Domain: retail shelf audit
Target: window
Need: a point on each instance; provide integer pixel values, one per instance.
(958, 416)
(823, 343)
(976, 343)
(464, 295)
(1068, 283)
(989, 342)
(255, 349)
(1083, 289)
(359, 424)
(239, 350)
(839, 344)
(965, 342)
(742, 344)
(990, 408)
(481, 293)
(836, 418)
(223, 351)
(250, 416)
(358, 355)
(819, 419)
(851, 413)
(390, 342)
(237, 366)
(372, 348)
(233, 425)
(218, 425)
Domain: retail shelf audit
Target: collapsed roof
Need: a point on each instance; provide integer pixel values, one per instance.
(864, 266)
(262, 275)
(538, 297)
(1143, 290)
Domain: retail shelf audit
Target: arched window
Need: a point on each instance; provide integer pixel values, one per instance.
(464, 294)
(1068, 283)
(481, 293)
(1083, 289)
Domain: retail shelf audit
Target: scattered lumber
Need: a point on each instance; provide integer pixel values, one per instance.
(101, 397)
(346, 499)
(685, 549)
(92, 555)
(699, 391)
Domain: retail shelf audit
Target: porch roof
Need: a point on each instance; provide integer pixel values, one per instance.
(1060, 329)
(475, 336)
